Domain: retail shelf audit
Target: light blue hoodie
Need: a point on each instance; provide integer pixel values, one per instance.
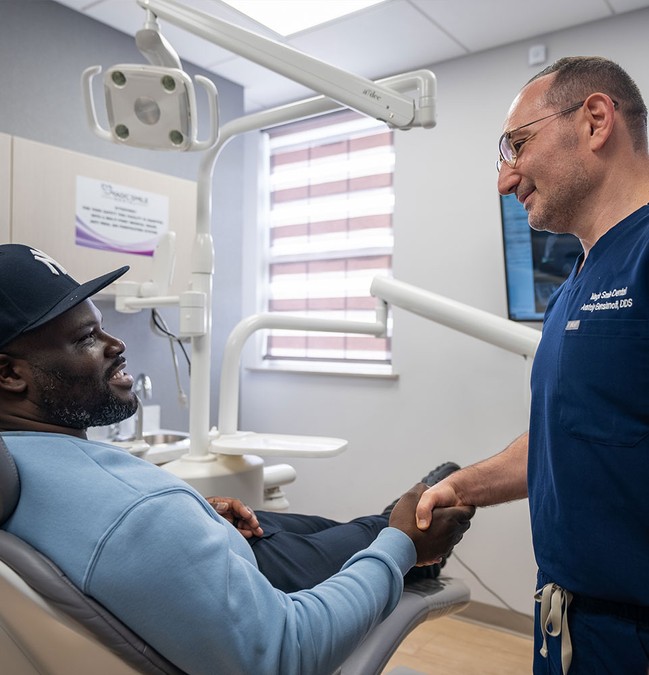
(154, 552)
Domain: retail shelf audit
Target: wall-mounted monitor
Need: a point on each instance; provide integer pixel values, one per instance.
(536, 263)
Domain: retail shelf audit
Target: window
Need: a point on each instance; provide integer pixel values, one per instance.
(331, 201)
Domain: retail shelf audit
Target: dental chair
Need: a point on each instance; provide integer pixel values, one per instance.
(48, 627)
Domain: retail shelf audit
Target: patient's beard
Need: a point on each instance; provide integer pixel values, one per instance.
(60, 401)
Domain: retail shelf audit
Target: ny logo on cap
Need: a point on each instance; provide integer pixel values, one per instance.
(49, 262)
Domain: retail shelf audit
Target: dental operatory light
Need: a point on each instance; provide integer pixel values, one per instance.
(292, 16)
(151, 106)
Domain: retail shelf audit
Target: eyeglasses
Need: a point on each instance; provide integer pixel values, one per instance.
(508, 152)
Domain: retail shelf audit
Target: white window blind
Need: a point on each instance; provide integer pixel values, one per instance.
(330, 232)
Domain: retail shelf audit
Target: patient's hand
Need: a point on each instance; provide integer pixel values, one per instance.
(237, 513)
(446, 529)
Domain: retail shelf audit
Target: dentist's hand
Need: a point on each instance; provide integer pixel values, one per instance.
(446, 530)
(237, 513)
(440, 495)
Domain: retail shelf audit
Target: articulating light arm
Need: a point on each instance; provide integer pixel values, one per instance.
(475, 322)
(154, 46)
(372, 99)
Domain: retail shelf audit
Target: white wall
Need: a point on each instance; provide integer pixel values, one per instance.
(455, 398)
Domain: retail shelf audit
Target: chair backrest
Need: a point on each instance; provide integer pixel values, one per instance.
(9, 484)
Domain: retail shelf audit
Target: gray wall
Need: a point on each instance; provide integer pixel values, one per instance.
(44, 47)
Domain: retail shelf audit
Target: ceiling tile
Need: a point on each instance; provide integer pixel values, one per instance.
(383, 40)
(77, 5)
(480, 25)
(124, 15)
(621, 6)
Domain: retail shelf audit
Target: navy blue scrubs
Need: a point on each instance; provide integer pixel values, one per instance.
(588, 470)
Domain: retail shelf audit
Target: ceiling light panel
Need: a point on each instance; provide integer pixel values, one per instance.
(287, 17)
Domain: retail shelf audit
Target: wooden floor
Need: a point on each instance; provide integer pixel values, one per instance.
(451, 646)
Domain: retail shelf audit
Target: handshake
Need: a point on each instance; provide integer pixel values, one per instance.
(446, 528)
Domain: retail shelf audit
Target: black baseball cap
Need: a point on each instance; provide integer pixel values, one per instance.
(35, 289)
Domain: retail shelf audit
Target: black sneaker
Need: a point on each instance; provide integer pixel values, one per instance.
(440, 473)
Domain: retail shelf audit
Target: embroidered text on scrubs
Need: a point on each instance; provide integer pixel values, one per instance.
(622, 302)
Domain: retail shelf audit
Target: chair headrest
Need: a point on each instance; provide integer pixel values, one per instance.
(9, 483)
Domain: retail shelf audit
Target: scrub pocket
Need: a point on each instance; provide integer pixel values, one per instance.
(604, 381)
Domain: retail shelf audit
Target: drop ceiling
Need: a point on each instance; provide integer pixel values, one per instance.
(391, 37)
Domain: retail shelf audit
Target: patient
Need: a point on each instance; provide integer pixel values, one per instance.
(141, 541)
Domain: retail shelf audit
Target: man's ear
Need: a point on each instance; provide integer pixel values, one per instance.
(600, 110)
(11, 375)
